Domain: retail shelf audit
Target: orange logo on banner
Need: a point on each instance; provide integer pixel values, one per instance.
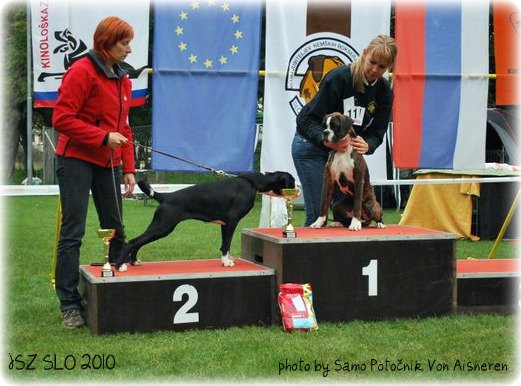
(507, 21)
(321, 52)
(323, 17)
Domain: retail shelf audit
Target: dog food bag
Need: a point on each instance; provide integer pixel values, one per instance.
(296, 307)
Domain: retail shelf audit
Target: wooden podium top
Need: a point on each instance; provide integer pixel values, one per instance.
(171, 270)
(328, 234)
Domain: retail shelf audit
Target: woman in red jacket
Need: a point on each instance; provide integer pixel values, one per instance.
(94, 147)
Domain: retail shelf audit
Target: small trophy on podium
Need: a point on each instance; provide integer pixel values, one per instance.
(289, 196)
(106, 235)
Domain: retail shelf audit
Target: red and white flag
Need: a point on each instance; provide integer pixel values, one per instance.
(62, 32)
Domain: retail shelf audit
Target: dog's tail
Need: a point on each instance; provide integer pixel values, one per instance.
(147, 189)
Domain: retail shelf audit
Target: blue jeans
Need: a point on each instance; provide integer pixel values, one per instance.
(75, 179)
(310, 161)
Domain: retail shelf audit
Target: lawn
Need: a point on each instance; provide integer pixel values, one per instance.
(37, 348)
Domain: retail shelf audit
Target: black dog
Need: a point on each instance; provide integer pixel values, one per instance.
(223, 202)
(347, 170)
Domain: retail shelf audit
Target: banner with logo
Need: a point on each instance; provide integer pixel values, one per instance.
(507, 23)
(441, 84)
(299, 35)
(62, 32)
(206, 71)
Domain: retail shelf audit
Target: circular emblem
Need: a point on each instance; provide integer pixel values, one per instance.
(312, 61)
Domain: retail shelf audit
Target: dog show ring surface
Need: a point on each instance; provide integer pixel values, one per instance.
(178, 295)
(371, 274)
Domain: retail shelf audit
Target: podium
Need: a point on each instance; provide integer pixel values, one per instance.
(371, 274)
(178, 295)
(488, 285)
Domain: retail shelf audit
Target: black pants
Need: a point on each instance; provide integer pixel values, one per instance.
(76, 178)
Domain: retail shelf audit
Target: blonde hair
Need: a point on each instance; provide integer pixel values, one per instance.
(383, 48)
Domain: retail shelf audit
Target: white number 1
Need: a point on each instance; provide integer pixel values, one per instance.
(371, 270)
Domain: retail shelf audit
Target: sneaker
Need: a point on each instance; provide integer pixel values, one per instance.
(72, 319)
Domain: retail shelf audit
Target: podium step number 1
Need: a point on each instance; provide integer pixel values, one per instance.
(371, 271)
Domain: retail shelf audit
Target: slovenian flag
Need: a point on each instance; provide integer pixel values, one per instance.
(440, 84)
(205, 81)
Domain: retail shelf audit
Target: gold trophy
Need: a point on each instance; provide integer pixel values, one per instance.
(106, 235)
(289, 196)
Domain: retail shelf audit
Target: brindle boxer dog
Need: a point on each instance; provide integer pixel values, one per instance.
(348, 170)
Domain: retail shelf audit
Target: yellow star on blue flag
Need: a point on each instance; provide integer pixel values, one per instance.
(206, 63)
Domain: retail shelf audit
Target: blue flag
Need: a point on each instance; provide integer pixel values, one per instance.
(206, 64)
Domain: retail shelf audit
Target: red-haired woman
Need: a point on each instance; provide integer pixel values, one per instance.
(94, 148)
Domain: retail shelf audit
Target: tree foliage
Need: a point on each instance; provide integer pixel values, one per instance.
(15, 49)
(14, 18)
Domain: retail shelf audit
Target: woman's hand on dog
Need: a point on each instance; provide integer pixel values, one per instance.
(340, 146)
(359, 145)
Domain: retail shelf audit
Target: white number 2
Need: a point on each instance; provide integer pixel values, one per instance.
(371, 270)
(182, 315)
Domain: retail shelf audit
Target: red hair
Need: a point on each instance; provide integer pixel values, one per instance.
(110, 31)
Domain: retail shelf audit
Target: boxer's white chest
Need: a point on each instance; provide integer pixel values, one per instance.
(342, 163)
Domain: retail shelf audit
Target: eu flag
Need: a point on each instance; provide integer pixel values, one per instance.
(205, 80)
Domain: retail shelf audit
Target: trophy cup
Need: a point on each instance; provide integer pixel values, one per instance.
(289, 196)
(106, 235)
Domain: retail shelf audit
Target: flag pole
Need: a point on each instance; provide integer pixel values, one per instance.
(29, 101)
(505, 225)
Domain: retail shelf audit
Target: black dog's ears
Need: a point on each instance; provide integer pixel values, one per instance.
(287, 180)
(276, 181)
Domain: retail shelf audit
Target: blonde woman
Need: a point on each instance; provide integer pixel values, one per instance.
(357, 90)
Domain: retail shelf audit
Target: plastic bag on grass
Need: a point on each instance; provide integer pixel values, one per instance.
(296, 307)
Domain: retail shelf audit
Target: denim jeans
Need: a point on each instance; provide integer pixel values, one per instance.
(75, 179)
(309, 160)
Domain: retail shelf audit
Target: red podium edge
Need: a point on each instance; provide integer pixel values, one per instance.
(178, 269)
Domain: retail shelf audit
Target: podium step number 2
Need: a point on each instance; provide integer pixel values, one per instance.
(183, 315)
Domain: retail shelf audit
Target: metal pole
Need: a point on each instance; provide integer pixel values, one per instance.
(29, 101)
(54, 257)
(505, 225)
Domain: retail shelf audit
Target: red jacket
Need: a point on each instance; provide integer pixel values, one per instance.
(92, 102)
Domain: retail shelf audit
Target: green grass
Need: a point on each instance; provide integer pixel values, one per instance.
(32, 320)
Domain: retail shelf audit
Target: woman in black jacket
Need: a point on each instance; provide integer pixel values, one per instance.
(357, 90)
